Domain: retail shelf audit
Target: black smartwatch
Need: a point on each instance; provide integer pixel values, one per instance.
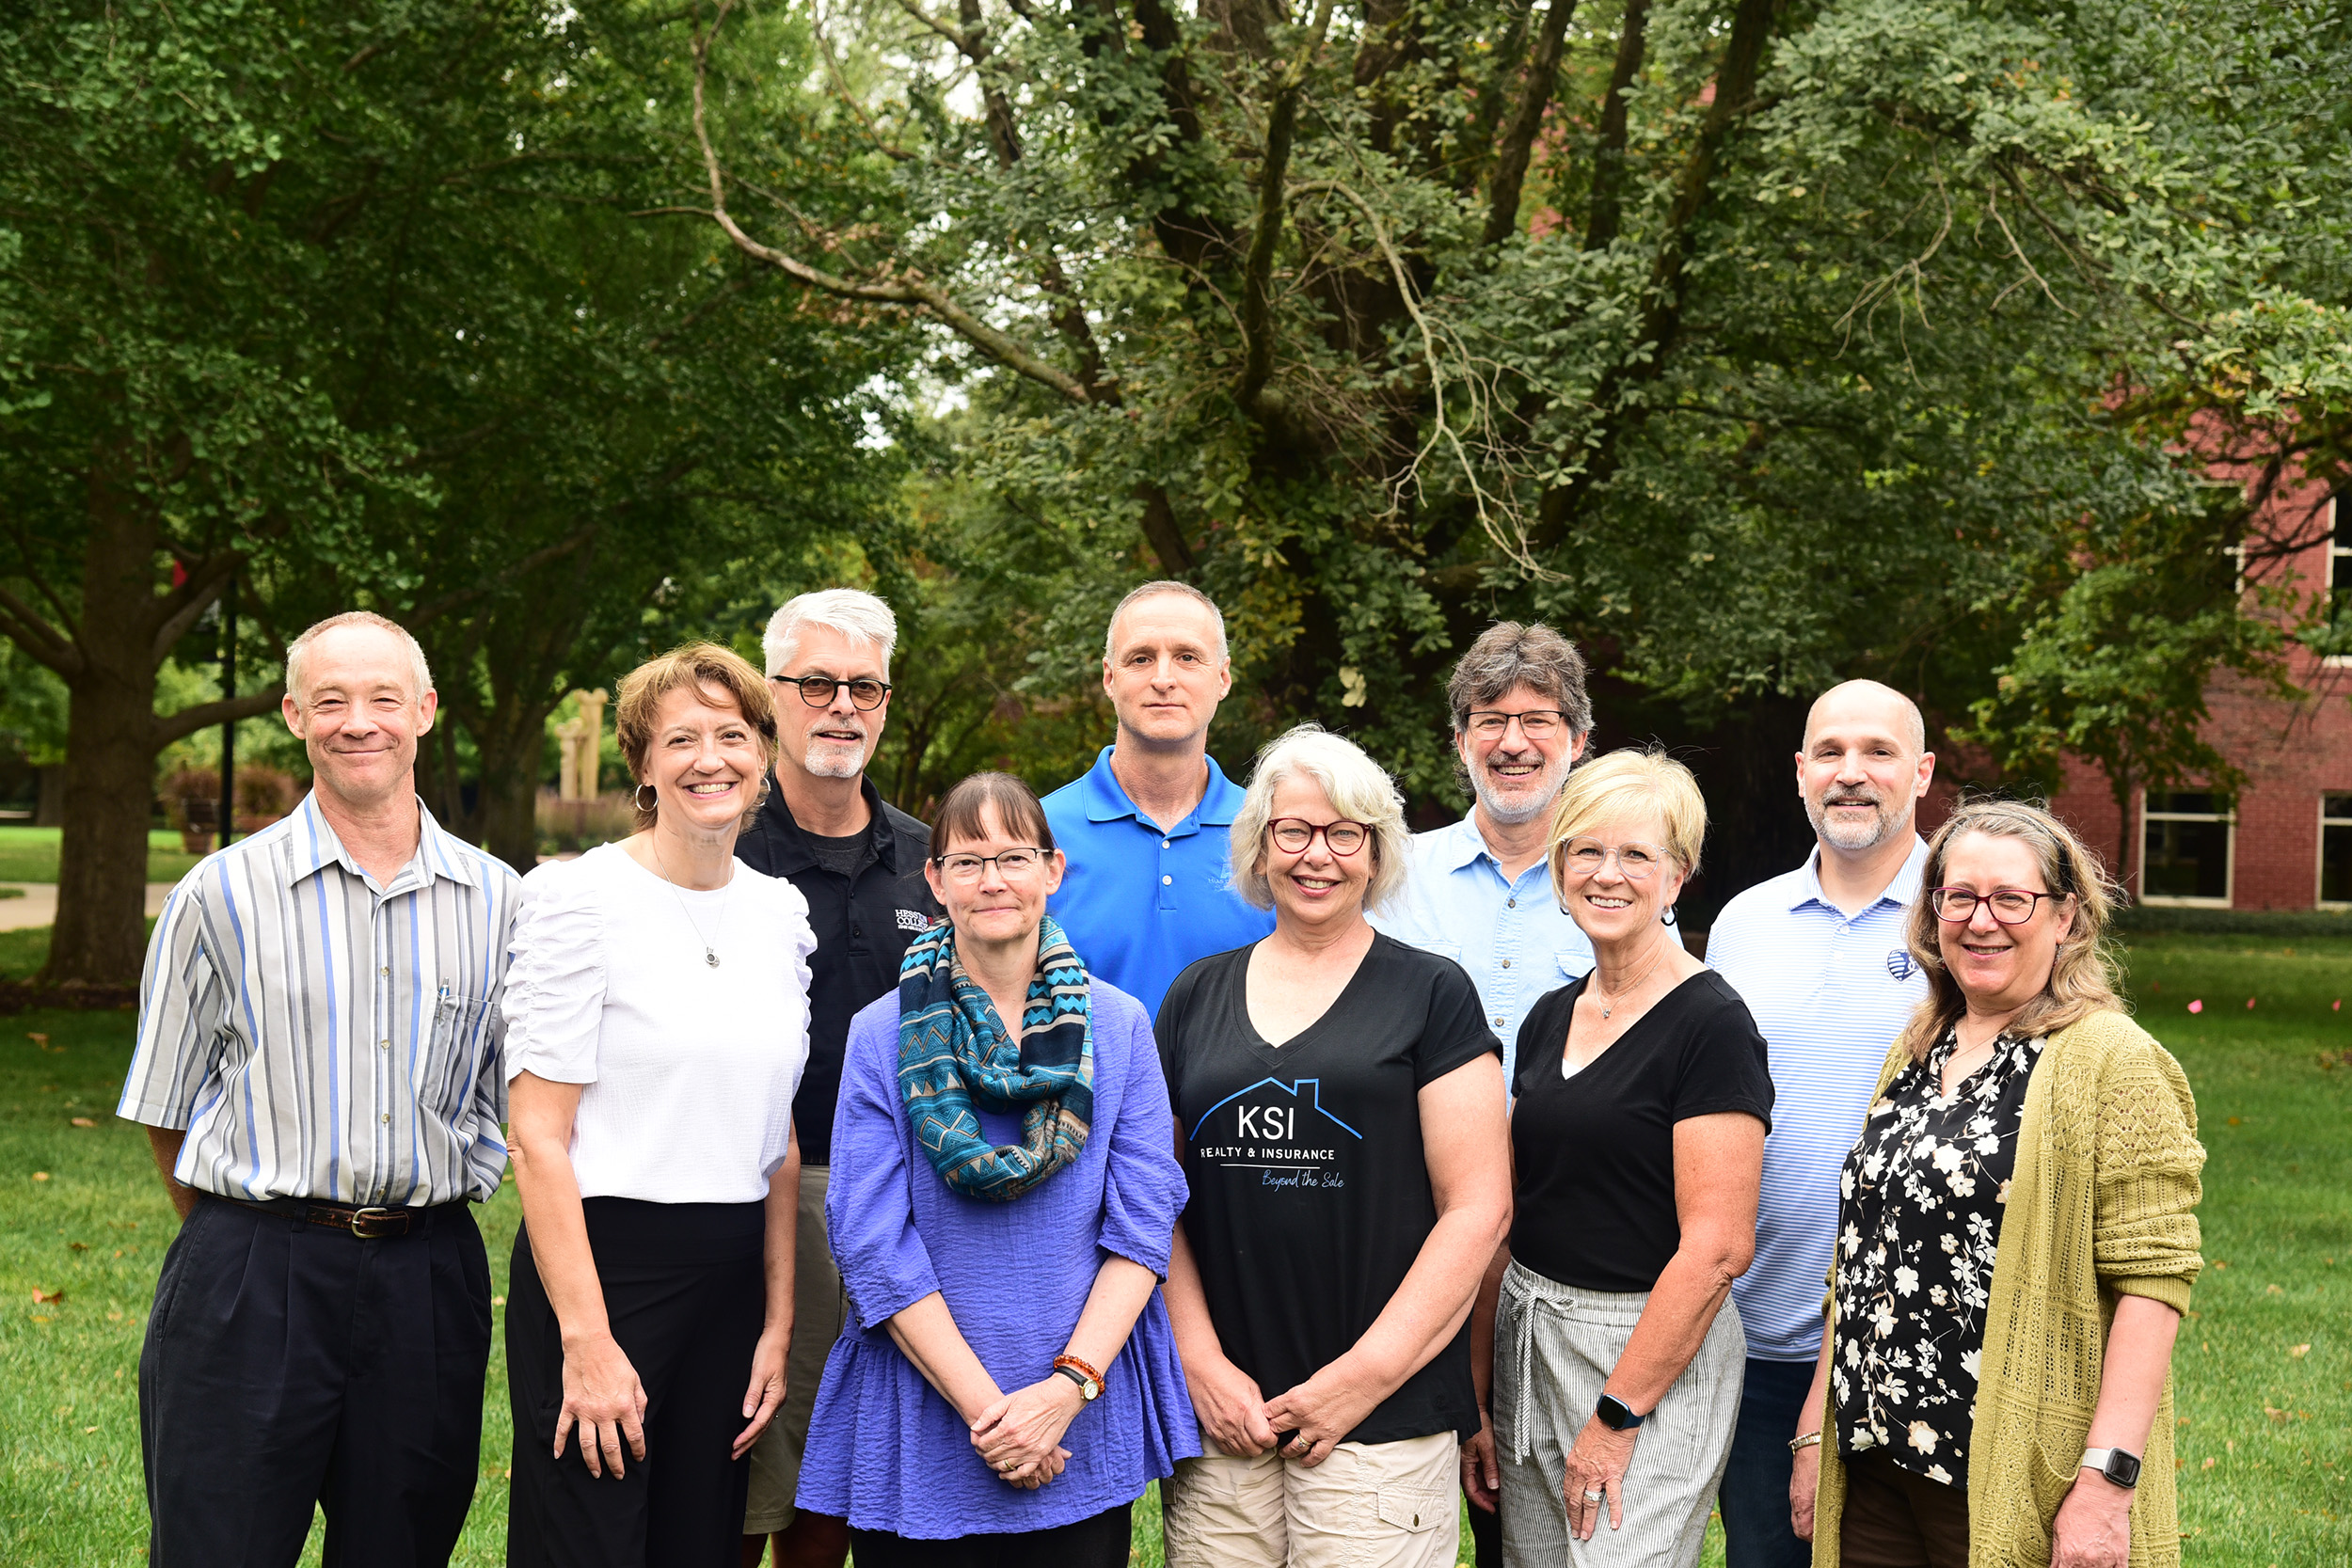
(1617, 1416)
(2119, 1465)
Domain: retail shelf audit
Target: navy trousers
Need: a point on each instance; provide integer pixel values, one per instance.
(290, 1366)
(1755, 1491)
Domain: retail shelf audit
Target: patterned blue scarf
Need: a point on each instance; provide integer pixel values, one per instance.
(952, 1051)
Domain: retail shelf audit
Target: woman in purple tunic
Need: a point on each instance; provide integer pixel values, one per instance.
(1001, 1206)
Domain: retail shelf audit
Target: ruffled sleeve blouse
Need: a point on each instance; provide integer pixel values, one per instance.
(687, 1068)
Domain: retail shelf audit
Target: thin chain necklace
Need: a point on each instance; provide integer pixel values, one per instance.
(1609, 1008)
(710, 953)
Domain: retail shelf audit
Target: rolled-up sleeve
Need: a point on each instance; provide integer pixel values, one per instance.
(553, 1005)
(183, 1009)
(1143, 1185)
(2145, 1238)
(869, 1211)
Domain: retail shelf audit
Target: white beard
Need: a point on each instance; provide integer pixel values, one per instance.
(1525, 809)
(1851, 836)
(827, 760)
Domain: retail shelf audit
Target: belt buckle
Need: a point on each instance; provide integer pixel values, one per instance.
(365, 1223)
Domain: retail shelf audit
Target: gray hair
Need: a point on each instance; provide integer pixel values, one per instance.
(1358, 789)
(1165, 585)
(1508, 654)
(299, 651)
(858, 616)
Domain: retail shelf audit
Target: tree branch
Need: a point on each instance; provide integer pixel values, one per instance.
(31, 631)
(183, 604)
(1542, 75)
(185, 722)
(1257, 278)
(912, 288)
(1600, 224)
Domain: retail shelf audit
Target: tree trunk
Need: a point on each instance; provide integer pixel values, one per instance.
(512, 743)
(101, 934)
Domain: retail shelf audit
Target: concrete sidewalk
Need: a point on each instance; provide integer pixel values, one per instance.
(38, 907)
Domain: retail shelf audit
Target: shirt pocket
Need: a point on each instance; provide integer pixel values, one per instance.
(1414, 1510)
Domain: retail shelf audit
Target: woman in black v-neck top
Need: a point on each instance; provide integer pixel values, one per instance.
(1347, 1186)
(1637, 1136)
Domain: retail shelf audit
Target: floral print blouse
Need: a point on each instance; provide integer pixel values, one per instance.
(1918, 1221)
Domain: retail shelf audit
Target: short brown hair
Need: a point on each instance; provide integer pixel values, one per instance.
(964, 813)
(694, 666)
(1508, 654)
(2082, 972)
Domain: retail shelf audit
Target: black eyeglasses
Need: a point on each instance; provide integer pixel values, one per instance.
(816, 690)
(2012, 906)
(1011, 865)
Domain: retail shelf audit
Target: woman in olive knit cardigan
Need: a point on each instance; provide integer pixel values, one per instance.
(2016, 1242)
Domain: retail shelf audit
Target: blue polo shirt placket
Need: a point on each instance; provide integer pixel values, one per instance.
(1115, 854)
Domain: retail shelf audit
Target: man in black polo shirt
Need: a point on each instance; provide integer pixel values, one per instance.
(859, 863)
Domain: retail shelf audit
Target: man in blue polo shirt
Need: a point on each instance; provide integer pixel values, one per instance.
(1148, 889)
(1819, 955)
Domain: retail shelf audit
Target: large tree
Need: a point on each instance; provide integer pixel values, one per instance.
(1757, 341)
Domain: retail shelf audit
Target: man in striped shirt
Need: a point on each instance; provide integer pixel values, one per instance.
(1819, 955)
(318, 1069)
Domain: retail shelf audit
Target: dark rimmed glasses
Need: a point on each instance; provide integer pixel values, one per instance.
(1293, 834)
(1540, 724)
(2012, 906)
(865, 694)
(1011, 865)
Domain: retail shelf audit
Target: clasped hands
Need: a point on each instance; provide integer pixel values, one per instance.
(1019, 1434)
(1317, 1414)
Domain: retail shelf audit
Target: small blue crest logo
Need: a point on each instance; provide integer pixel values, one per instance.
(1899, 965)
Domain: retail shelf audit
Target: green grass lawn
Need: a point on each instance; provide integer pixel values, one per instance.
(30, 855)
(2263, 1369)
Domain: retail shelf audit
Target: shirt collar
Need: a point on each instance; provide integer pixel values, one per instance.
(1107, 802)
(1460, 844)
(799, 855)
(1901, 893)
(315, 845)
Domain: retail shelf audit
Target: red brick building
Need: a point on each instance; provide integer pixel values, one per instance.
(2284, 840)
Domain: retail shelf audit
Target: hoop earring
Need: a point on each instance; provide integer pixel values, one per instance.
(637, 799)
(1668, 918)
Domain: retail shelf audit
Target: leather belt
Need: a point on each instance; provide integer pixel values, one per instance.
(367, 1220)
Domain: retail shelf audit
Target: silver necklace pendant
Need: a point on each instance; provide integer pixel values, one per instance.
(710, 958)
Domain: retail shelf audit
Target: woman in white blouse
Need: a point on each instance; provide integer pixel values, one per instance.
(657, 1024)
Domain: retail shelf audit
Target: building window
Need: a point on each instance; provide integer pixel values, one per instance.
(2186, 840)
(2335, 849)
(2339, 555)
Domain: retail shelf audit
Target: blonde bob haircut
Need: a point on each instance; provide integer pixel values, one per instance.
(1358, 789)
(1624, 782)
(2082, 975)
(698, 667)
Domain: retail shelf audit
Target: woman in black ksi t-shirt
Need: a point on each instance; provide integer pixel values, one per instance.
(1338, 1116)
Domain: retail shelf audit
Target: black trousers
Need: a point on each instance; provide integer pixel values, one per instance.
(290, 1366)
(1101, 1541)
(1898, 1518)
(1755, 1492)
(685, 1290)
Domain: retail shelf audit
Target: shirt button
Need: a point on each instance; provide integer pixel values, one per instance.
(385, 1118)
(1506, 963)
(1168, 881)
(383, 1045)
(1497, 1023)
(1166, 845)
(1510, 903)
(386, 970)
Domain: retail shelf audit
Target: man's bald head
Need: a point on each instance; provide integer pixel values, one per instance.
(1849, 702)
(1864, 766)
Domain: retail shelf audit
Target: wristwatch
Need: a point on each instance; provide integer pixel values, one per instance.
(2119, 1465)
(1617, 1415)
(1089, 1382)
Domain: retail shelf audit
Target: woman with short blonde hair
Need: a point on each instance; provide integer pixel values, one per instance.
(1637, 1139)
(2017, 1240)
(1337, 1115)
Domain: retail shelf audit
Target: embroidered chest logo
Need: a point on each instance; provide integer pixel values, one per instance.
(914, 919)
(1899, 964)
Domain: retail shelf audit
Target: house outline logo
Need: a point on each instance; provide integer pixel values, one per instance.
(1292, 1088)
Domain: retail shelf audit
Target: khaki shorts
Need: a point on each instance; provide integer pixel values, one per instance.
(1370, 1505)
(818, 1306)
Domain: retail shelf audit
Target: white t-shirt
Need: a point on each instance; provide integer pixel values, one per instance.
(689, 1071)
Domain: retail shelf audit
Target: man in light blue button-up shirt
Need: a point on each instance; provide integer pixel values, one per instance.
(1480, 892)
(1819, 955)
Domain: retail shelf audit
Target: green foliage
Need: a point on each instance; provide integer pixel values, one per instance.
(1797, 342)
